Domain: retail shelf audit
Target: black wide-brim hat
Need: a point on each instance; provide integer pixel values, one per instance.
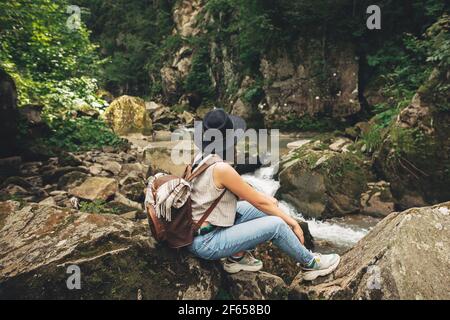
(218, 119)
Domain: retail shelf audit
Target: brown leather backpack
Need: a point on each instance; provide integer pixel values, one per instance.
(180, 229)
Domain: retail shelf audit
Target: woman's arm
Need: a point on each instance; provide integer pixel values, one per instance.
(226, 177)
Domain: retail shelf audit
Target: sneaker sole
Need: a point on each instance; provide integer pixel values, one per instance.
(235, 268)
(312, 275)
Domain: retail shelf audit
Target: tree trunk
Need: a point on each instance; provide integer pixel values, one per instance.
(8, 115)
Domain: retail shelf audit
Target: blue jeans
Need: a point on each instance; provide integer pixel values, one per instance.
(252, 227)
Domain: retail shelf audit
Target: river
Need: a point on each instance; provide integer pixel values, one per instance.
(337, 234)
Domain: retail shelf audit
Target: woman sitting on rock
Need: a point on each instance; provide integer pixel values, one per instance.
(235, 227)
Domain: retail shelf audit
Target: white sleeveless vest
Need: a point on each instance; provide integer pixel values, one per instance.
(204, 192)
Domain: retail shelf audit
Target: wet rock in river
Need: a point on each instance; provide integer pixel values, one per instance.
(377, 201)
(322, 183)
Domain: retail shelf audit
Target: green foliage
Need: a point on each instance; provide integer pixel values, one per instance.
(401, 67)
(134, 36)
(373, 138)
(253, 94)
(36, 38)
(404, 69)
(437, 44)
(97, 206)
(199, 79)
(83, 133)
(44, 56)
(344, 165)
(13, 197)
(412, 144)
(71, 94)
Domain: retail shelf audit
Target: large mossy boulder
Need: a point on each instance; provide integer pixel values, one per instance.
(322, 183)
(116, 257)
(415, 155)
(406, 256)
(128, 114)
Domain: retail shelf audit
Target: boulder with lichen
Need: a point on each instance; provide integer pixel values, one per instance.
(117, 259)
(404, 257)
(128, 114)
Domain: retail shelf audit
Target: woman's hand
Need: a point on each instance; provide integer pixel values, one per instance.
(299, 233)
(295, 226)
(226, 177)
(273, 200)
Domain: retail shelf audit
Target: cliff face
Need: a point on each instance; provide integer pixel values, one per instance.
(318, 77)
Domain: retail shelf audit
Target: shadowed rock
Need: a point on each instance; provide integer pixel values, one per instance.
(8, 114)
(256, 286)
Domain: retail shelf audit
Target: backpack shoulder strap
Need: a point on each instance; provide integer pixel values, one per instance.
(198, 171)
(208, 212)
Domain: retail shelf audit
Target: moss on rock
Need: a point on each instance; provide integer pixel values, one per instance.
(322, 183)
(128, 114)
(415, 156)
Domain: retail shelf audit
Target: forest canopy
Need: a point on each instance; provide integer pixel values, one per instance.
(120, 47)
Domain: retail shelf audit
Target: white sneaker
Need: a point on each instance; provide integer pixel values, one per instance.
(246, 263)
(322, 265)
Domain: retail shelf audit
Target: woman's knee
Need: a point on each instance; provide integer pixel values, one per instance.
(243, 206)
(200, 250)
(248, 212)
(276, 223)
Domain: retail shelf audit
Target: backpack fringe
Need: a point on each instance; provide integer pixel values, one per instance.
(172, 194)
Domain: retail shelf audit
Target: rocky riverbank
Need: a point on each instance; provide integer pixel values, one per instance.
(85, 209)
